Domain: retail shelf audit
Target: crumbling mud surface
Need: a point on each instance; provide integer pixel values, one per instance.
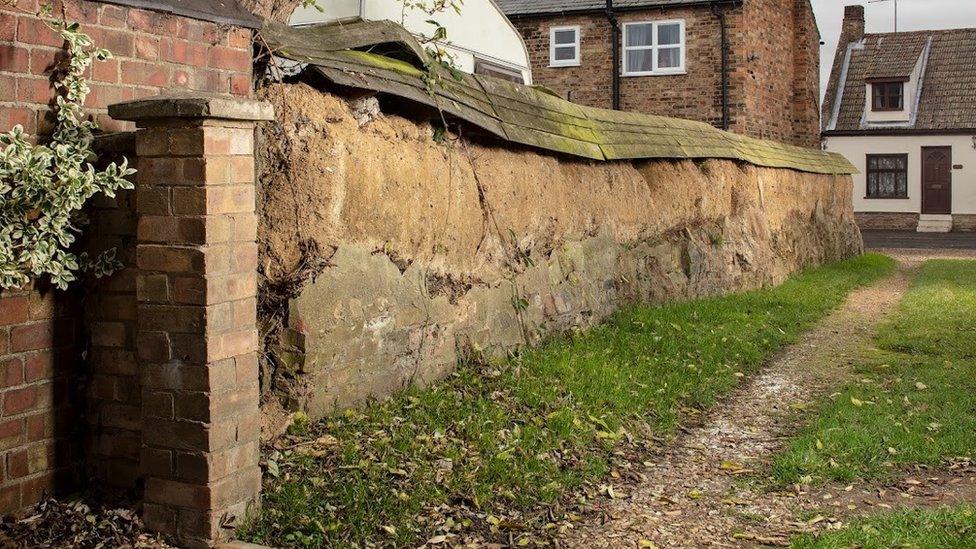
(388, 254)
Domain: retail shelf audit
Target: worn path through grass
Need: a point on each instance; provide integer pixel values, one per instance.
(901, 433)
(689, 495)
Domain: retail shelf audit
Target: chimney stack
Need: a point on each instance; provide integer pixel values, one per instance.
(851, 31)
(853, 28)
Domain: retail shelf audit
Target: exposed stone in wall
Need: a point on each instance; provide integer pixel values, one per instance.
(428, 250)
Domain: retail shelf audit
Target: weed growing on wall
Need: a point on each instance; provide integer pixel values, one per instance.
(437, 57)
(43, 187)
(312, 4)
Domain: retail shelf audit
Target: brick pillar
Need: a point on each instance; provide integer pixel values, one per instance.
(197, 338)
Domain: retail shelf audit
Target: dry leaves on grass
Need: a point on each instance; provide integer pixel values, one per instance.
(74, 524)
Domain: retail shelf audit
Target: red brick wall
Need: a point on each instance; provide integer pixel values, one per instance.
(588, 84)
(696, 95)
(806, 76)
(39, 374)
(774, 45)
(773, 65)
(153, 52)
(113, 403)
(197, 305)
(762, 45)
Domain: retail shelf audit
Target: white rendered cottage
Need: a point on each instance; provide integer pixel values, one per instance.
(480, 38)
(902, 108)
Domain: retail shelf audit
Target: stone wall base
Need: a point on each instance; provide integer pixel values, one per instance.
(893, 221)
(964, 222)
(896, 221)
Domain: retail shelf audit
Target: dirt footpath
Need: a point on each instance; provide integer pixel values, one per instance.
(689, 495)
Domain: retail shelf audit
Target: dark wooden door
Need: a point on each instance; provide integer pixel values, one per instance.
(936, 180)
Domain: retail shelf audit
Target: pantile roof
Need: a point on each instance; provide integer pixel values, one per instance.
(948, 80)
(895, 56)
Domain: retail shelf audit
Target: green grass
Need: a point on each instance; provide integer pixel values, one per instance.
(938, 316)
(913, 402)
(509, 439)
(953, 527)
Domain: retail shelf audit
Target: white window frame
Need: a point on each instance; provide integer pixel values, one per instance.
(682, 69)
(575, 62)
(496, 66)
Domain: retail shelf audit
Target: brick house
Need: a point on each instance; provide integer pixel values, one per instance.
(81, 398)
(670, 56)
(900, 106)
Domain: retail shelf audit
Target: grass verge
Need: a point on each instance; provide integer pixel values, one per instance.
(913, 402)
(494, 448)
(937, 318)
(946, 528)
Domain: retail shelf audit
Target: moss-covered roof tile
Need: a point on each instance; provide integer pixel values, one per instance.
(523, 114)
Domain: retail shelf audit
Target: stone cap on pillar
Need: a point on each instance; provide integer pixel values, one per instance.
(192, 105)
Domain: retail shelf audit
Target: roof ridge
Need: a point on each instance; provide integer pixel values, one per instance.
(920, 32)
(529, 8)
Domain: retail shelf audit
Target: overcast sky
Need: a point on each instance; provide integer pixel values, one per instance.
(879, 17)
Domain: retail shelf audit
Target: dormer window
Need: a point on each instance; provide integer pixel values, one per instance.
(888, 96)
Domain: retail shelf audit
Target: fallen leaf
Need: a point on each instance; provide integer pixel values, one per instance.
(327, 440)
(729, 465)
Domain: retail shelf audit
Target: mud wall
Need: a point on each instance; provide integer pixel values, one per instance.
(388, 254)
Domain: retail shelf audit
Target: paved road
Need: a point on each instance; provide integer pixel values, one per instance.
(905, 240)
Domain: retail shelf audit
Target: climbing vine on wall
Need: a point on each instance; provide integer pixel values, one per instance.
(43, 187)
